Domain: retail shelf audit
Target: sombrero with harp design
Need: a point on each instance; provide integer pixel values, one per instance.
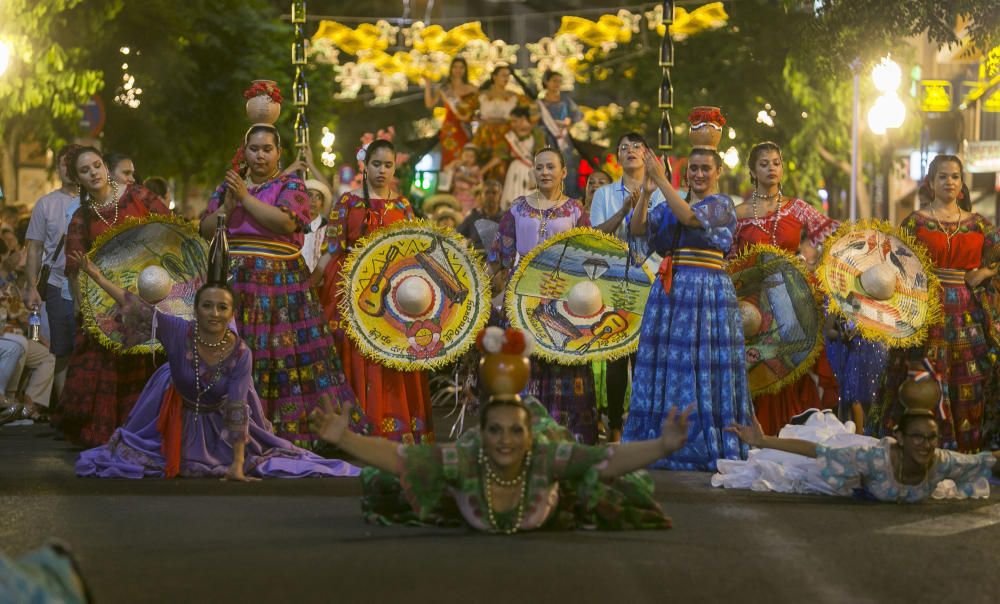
(122, 253)
(581, 296)
(782, 317)
(414, 295)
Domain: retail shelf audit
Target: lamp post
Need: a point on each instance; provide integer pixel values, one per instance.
(887, 113)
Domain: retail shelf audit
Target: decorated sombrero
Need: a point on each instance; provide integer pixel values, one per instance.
(782, 320)
(580, 296)
(880, 280)
(414, 296)
(122, 253)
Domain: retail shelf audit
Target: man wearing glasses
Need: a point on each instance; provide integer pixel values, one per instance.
(609, 212)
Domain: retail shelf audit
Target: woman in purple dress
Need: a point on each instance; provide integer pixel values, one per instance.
(567, 391)
(199, 415)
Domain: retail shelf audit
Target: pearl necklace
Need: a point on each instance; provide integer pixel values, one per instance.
(113, 200)
(757, 222)
(198, 390)
(947, 235)
(491, 477)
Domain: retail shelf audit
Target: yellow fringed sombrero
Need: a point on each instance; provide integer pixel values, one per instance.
(782, 320)
(580, 297)
(880, 280)
(414, 295)
(122, 253)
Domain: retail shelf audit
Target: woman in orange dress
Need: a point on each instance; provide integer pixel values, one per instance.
(775, 219)
(397, 403)
(963, 349)
(459, 99)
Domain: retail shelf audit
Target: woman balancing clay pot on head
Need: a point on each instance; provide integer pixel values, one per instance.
(773, 218)
(566, 390)
(904, 468)
(396, 403)
(519, 471)
(101, 386)
(199, 414)
(964, 247)
(295, 366)
(691, 343)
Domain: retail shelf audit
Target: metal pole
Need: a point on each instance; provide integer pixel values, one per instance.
(300, 89)
(855, 139)
(665, 138)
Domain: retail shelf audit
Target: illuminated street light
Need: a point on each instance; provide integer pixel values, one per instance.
(4, 56)
(887, 75)
(888, 111)
(731, 158)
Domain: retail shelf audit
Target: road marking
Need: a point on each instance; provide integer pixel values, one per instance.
(952, 524)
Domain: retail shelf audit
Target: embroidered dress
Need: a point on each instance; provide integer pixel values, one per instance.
(229, 412)
(851, 464)
(494, 116)
(101, 386)
(445, 485)
(519, 154)
(691, 341)
(455, 132)
(397, 403)
(278, 314)
(818, 387)
(567, 391)
(961, 350)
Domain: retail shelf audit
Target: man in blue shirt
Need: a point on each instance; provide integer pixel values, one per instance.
(609, 212)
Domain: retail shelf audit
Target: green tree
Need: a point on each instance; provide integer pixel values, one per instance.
(50, 74)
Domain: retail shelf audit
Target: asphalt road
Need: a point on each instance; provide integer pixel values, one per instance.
(304, 541)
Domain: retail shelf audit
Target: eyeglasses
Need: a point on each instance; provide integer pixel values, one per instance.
(919, 439)
(626, 146)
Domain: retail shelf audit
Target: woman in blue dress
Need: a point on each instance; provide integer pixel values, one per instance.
(691, 340)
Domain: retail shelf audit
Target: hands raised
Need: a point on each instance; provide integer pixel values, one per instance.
(330, 424)
(86, 266)
(674, 432)
(236, 189)
(752, 435)
(654, 169)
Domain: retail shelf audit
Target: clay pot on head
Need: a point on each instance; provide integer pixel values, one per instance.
(261, 109)
(705, 136)
(920, 397)
(503, 376)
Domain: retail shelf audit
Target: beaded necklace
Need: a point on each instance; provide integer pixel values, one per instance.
(760, 223)
(492, 477)
(546, 215)
(198, 390)
(113, 200)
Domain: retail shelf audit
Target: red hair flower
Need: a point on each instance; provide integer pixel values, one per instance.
(262, 88)
(712, 116)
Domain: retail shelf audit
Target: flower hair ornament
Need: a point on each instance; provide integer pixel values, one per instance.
(363, 152)
(494, 340)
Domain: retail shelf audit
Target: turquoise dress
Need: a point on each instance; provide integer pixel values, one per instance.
(868, 469)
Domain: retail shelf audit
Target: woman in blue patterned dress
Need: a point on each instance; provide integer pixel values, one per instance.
(691, 340)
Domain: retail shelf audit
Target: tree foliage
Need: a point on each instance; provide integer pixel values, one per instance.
(50, 74)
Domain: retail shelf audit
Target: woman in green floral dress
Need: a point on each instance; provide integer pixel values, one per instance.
(520, 471)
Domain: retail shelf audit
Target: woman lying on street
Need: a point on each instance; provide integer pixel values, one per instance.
(906, 468)
(520, 471)
(199, 414)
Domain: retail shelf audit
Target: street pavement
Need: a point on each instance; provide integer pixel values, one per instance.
(198, 540)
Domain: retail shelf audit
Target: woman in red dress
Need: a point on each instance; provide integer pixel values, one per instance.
(775, 219)
(964, 247)
(101, 386)
(397, 403)
(459, 98)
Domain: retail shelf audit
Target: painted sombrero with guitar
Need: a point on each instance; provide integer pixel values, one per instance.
(129, 255)
(782, 316)
(581, 296)
(414, 296)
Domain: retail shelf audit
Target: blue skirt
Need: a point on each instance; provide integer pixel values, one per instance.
(691, 351)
